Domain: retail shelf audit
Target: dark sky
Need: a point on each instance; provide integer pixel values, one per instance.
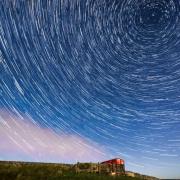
(107, 71)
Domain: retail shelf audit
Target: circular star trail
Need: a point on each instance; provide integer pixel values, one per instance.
(107, 70)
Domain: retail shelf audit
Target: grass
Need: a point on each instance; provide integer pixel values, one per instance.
(40, 171)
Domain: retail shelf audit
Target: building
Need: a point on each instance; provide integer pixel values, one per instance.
(111, 167)
(114, 167)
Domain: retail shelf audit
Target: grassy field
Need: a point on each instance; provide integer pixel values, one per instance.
(40, 171)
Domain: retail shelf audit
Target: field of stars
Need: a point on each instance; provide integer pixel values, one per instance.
(91, 80)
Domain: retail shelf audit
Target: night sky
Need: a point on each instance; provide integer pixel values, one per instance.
(90, 80)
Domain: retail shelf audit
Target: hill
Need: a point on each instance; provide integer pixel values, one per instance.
(51, 171)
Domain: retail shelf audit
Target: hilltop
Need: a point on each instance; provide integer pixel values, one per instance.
(11, 170)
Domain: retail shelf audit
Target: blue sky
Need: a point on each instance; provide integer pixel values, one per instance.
(105, 71)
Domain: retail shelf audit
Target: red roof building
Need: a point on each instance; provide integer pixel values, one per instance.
(114, 161)
(113, 166)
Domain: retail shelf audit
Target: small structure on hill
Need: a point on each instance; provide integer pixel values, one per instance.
(113, 167)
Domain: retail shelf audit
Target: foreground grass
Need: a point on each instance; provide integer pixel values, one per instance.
(19, 171)
(67, 176)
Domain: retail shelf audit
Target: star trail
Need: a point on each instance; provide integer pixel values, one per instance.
(94, 78)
